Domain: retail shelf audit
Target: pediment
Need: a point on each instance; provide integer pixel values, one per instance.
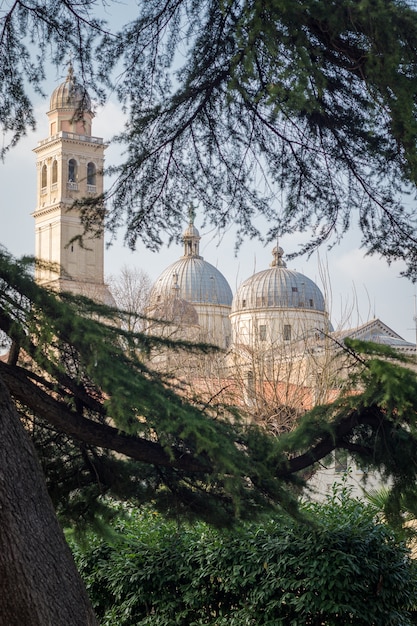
(375, 330)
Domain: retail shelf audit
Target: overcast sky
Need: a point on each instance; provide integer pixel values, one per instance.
(358, 287)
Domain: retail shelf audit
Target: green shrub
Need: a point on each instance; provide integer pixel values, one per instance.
(339, 566)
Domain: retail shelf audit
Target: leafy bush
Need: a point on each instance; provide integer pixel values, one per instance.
(337, 566)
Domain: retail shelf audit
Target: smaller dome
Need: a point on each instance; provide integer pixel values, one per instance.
(176, 310)
(278, 287)
(70, 95)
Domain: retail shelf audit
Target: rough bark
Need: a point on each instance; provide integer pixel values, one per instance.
(39, 583)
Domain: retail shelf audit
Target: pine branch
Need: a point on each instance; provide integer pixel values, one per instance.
(101, 435)
(370, 416)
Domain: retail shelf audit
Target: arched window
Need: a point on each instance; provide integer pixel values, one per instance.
(91, 174)
(250, 381)
(72, 171)
(44, 176)
(54, 172)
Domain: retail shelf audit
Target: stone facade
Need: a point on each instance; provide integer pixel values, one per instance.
(69, 165)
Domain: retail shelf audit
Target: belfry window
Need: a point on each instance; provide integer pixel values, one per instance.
(91, 174)
(54, 172)
(72, 171)
(44, 177)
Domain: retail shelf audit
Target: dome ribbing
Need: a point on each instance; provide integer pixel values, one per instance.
(70, 95)
(192, 278)
(278, 287)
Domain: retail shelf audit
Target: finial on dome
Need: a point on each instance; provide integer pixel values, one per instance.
(277, 261)
(70, 75)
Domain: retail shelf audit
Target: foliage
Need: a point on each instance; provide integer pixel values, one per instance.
(31, 33)
(105, 423)
(82, 384)
(374, 421)
(237, 103)
(301, 111)
(404, 524)
(341, 566)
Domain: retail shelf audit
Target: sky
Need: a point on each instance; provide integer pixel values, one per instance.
(357, 288)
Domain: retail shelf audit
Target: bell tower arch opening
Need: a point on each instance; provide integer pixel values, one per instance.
(72, 171)
(91, 175)
(54, 172)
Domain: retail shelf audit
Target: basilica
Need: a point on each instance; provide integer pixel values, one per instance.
(278, 353)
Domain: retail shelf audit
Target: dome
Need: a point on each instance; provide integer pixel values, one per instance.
(278, 287)
(176, 310)
(192, 278)
(70, 95)
(198, 282)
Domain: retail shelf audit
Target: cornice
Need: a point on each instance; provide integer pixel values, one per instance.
(47, 145)
(43, 211)
(50, 142)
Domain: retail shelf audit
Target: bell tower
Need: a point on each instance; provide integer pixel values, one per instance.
(69, 168)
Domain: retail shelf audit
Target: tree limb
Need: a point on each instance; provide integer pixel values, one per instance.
(88, 431)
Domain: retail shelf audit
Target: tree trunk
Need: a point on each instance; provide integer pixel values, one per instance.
(39, 583)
